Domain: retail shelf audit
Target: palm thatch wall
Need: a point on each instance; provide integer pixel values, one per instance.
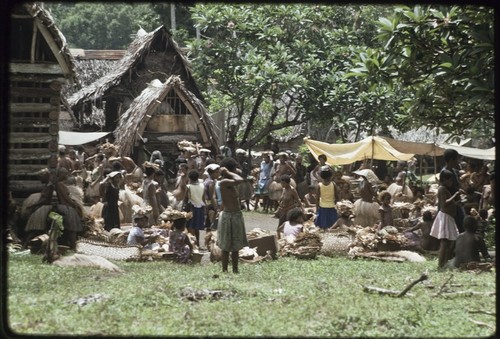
(89, 71)
(134, 121)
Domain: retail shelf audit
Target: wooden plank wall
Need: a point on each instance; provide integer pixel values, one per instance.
(34, 105)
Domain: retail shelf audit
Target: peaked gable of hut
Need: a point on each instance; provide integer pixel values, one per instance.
(32, 23)
(149, 56)
(134, 121)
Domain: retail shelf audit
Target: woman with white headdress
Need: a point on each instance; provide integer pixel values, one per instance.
(365, 208)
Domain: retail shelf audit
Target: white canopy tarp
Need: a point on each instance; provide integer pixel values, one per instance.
(372, 147)
(471, 152)
(79, 138)
(437, 149)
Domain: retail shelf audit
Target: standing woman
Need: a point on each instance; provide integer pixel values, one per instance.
(110, 191)
(289, 199)
(314, 174)
(149, 192)
(231, 234)
(93, 192)
(444, 227)
(300, 177)
(180, 186)
(265, 178)
(328, 195)
(71, 211)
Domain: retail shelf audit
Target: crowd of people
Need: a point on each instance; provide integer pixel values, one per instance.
(215, 190)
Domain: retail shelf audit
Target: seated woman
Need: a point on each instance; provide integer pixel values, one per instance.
(344, 222)
(136, 235)
(294, 224)
(310, 199)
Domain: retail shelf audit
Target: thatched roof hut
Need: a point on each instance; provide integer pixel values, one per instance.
(154, 116)
(154, 55)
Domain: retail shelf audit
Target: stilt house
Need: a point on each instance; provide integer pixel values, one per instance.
(40, 65)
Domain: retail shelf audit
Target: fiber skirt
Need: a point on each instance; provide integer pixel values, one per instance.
(444, 227)
(325, 217)
(302, 189)
(245, 190)
(366, 213)
(231, 233)
(38, 219)
(275, 191)
(197, 222)
(71, 219)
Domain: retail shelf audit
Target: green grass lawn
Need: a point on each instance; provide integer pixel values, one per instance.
(285, 297)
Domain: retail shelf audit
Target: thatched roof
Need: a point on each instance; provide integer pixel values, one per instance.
(55, 39)
(136, 52)
(133, 121)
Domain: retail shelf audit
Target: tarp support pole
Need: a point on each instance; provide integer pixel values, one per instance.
(435, 162)
(373, 151)
(421, 180)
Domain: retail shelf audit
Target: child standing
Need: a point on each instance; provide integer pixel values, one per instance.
(444, 227)
(327, 193)
(179, 241)
(195, 196)
(385, 210)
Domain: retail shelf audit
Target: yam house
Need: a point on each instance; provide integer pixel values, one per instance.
(40, 65)
(125, 96)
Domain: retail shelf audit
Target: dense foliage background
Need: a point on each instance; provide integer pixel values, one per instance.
(332, 72)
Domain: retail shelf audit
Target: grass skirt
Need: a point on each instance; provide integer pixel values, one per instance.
(444, 227)
(275, 191)
(28, 203)
(231, 234)
(245, 190)
(366, 213)
(71, 219)
(38, 219)
(302, 189)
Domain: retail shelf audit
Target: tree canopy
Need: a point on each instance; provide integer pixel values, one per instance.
(444, 57)
(269, 67)
(334, 70)
(102, 25)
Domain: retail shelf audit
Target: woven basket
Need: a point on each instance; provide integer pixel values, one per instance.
(106, 250)
(334, 244)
